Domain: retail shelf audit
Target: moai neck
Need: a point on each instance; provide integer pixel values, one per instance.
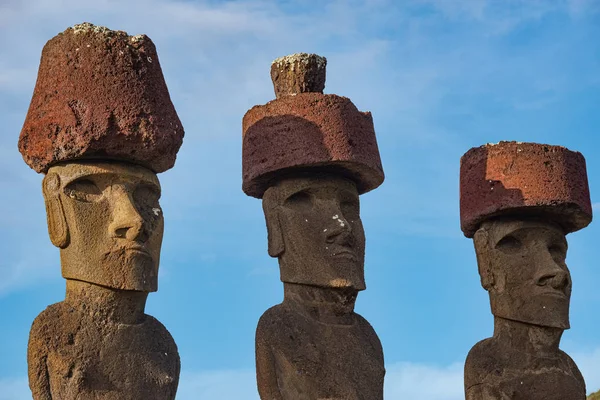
(325, 305)
(541, 341)
(118, 306)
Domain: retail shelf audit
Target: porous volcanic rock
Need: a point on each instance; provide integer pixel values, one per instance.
(298, 73)
(309, 130)
(523, 178)
(100, 94)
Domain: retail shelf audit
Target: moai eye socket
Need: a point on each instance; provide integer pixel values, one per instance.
(147, 195)
(146, 198)
(558, 252)
(350, 206)
(300, 201)
(509, 244)
(84, 190)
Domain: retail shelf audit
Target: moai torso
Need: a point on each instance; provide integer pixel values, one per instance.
(494, 371)
(309, 156)
(312, 360)
(87, 358)
(518, 202)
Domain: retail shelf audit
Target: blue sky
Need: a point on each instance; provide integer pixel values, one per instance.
(439, 76)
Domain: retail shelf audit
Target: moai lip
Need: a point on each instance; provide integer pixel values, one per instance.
(518, 203)
(308, 156)
(102, 203)
(100, 94)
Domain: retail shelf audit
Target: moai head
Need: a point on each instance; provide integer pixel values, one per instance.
(315, 230)
(107, 221)
(518, 202)
(309, 156)
(100, 126)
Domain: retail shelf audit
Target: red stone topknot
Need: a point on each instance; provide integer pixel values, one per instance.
(304, 128)
(100, 94)
(524, 179)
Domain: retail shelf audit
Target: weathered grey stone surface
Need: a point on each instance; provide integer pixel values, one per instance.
(100, 94)
(521, 247)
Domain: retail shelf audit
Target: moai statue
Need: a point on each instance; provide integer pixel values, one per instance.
(309, 156)
(517, 202)
(100, 126)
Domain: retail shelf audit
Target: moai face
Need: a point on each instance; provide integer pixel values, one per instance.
(106, 219)
(315, 229)
(522, 266)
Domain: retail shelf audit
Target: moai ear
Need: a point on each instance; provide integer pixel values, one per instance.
(274, 231)
(55, 215)
(484, 260)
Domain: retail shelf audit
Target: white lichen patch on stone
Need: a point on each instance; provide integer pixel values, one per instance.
(156, 211)
(88, 27)
(337, 217)
(303, 58)
(137, 38)
(339, 283)
(496, 144)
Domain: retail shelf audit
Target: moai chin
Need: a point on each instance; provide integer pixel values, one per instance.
(518, 201)
(100, 126)
(309, 156)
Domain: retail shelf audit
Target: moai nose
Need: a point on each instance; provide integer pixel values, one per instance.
(339, 230)
(558, 280)
(127, 222)
(551, 274)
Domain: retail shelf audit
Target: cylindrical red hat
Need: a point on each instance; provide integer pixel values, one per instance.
(304, 128)
(100, 94)
(528, 179)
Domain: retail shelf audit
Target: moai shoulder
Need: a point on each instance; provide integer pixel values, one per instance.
(518, 203)
(493, 371)
(100, 143)
(321, 155)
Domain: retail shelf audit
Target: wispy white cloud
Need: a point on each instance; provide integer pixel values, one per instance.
(502, 16)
